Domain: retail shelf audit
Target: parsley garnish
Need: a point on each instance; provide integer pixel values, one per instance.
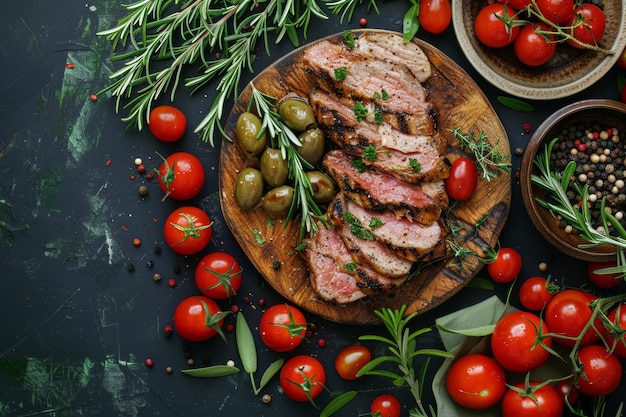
(348, 38)
(359, 111)
(383, 94)
(378, 115)
(386, 95)
(415, 165)
(356, 227)
(370, 153)
(350, 267)
(375, 222)
(340, 73)
(257, 236)
(358, 165)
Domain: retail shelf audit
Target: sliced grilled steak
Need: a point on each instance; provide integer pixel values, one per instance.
(410, 240)
(335, 275)
(386, 84)
(374, 254)
(391, 47)
(373, 190)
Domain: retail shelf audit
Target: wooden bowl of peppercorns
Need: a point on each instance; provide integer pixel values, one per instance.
(592, 134)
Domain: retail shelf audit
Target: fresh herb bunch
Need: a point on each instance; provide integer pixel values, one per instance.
(579, 218)
(488, 158)
(161, 38)
(402, 346)
(283, 138)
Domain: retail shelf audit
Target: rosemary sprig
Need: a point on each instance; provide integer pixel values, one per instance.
(556, 184)
(164, 39)
(402, 346)
(284, 139)
(488, 158)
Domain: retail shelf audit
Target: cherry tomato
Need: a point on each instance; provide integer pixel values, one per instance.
(167, 123)
(187, 230)
(556, 11)
(350, 361)
(614, 337)
(282, 327)
(490, 30)
(181, 176)
(506, 267)
(568, 391)
(435, 15)
(218, 275)
(516, 4)
(461, 183)
(532, 48)
(302, 378)
(544, 402)
(602, 280)
(588, 24)
(198, 318)
(535, 293)
(567, 314)
(386, 405)
(476, 381)
(602, 371)
(515, 344)
(621, 62)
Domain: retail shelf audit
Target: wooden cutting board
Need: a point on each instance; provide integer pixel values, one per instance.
(459, 103)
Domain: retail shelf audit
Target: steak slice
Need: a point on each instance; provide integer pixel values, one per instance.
(374, 254)
(410, 240)
(391, 47)
(335, 276)
(372, 190)
(386, 84)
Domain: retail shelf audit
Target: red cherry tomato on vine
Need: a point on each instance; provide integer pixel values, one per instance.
(611, 280)
(463, 178)
(532, 48)
(181, 176)
(568, 391)
(218, 275)
(602, 371)
(435, 15)
(588, 25)
(556, 11)
(198, 318)
(515, 341)
(506, 267)
(386, 405)
(535, 293)
(614, 336)
(476, 381)
(543, 402)
(490, 30)
(187, 230)
(167, 123)
(350, 361)
(282, 327)
(516, 4)
(302, 378)
(567, 314)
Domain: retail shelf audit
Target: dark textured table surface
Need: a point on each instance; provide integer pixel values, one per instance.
(75, 324)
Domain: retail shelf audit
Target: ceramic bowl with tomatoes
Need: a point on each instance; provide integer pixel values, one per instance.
(526, 66)
(577, 115)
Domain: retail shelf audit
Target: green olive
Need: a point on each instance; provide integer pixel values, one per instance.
(312, 147)
(296, 114)
(274, 167)
(323, 187)
(277, 201)
(247, 133)
(249, 188)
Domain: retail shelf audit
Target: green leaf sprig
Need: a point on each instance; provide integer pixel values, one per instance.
(284, 139)
(555, 184)
(488, 157)
(402, 347)
(163, 37)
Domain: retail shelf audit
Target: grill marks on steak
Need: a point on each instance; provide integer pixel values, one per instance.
(373, 190)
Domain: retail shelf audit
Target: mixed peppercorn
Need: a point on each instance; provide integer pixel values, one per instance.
(600, 160)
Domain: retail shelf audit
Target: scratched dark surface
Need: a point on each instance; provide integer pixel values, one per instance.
(75, 324)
